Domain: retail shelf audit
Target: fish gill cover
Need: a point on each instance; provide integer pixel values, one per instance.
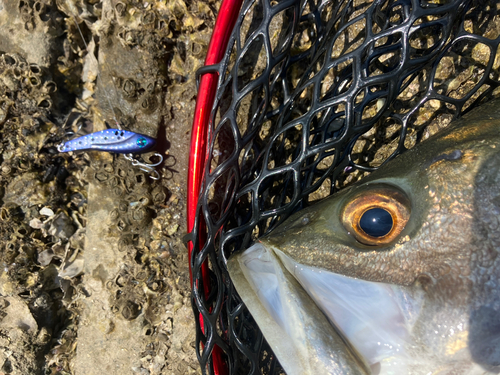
(311, 97)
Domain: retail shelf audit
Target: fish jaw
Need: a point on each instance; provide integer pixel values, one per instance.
(371, 320)
(298, 332)
(321, 322)
(376, 318)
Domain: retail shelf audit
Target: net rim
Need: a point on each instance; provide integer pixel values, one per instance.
(207, 85)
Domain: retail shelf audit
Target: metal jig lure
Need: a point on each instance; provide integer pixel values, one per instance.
(117, 141)
(110, 140)
(114, 140)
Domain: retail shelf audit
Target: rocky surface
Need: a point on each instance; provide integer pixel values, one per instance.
(94, 274)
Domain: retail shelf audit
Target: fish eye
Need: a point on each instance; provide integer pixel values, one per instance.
(376, 216)
(376, 222)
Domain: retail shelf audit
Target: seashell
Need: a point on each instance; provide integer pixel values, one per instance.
(147, 330)
(11, 252)
(25, 11)
(101, 177)
(45, 257)
(148, 17)
(61, 226)
(110, 285)
(6, 170)
(18, 72)
(10, 212)
(149, 104)
(121, 9)
(10, 59)
(123, 279)
(121, 225)
(5, 106)
(39, 7)
(24, 164)
(156, 286)
(46, 211)
(34, 81)
(30, 25)
(49, 87)
(113, 215)
(108, 167)
(34, 69)
(37, 224)
(22, 230)
(159, 195)
(125, 242)
(130, 89)
(73, 268)
(45, 103)
(139, 215)
(118, 191)
(115, 182)
(131, 310)
(123, 206)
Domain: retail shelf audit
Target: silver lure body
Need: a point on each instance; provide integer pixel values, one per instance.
(110, 140)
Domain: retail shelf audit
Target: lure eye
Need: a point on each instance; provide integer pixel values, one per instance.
(142, 142)
(377, 216)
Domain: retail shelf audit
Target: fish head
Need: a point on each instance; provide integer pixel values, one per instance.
(404, 265)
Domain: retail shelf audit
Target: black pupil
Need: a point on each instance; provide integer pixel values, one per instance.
(376, 222)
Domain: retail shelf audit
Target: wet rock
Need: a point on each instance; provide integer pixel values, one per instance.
(17, 315)
(139, 54)
(26, 190)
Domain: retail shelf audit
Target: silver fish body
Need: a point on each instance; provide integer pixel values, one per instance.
(334, 292)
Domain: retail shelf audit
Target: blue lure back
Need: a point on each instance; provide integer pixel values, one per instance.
(110, 140)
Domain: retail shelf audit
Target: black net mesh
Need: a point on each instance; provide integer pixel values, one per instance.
(312, 96)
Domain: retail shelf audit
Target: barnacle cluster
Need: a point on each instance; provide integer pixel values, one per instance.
(42, 211)
(42, 214)
(26, 87)
(137, 65)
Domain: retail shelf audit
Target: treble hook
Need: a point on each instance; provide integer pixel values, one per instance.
(146, 167)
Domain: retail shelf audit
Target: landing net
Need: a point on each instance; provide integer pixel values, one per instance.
(310, 97)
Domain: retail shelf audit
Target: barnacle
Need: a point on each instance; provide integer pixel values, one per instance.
(121, 9)
(129, 88)
(41, 97)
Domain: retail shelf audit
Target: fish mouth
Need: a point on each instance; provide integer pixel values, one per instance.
(374, 319)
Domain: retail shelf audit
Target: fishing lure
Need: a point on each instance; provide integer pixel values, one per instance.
(117, 141)
(110, 140)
